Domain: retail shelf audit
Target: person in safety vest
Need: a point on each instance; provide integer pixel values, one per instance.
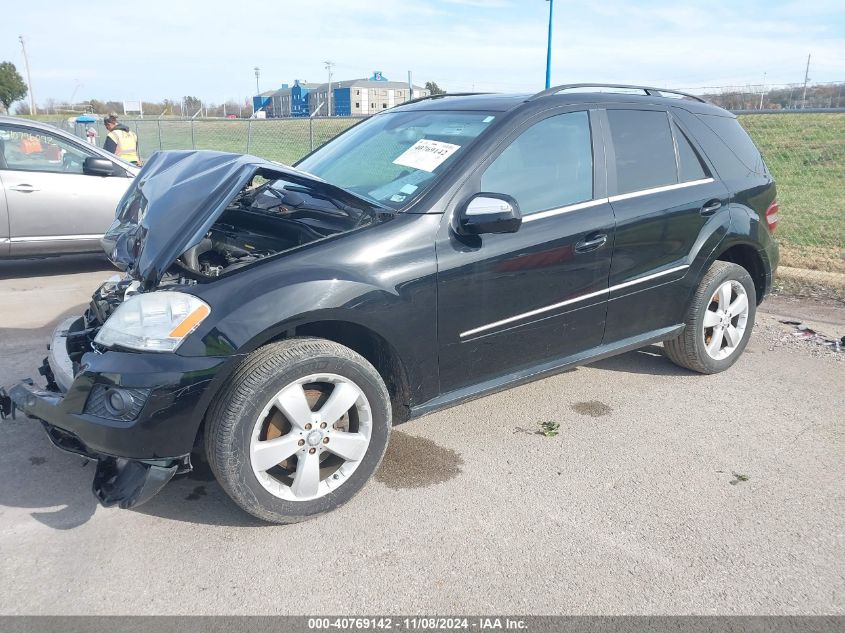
(121, 141)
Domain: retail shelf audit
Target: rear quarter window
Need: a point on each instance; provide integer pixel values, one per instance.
(724, 160)
(731, 133)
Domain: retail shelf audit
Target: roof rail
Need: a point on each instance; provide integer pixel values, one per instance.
(651, 92)
(440, 96)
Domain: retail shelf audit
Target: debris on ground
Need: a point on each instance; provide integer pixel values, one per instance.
(804, 331)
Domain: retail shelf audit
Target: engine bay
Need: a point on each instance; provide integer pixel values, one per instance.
(263, 220)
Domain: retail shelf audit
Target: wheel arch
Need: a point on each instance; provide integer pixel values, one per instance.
(374, 347)
(746, 255)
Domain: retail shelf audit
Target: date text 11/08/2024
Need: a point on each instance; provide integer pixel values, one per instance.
(418, 623)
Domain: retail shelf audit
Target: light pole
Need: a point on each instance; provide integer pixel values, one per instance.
(329, 93)
(257, 75)
(549, 48)
(32, 109)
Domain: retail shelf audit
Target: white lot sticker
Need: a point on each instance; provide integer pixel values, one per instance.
(426, 155)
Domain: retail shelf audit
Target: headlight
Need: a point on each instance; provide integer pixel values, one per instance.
(155, 321)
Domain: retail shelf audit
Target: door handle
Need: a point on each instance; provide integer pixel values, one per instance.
(23, 188)
(710, 208)
(595, 242)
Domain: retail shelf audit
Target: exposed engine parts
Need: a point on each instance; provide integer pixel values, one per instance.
(265, 220)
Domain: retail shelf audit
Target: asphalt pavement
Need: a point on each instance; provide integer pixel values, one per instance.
(665, 492)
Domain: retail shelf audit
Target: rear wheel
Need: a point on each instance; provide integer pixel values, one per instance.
(718, 322)
(300, 429)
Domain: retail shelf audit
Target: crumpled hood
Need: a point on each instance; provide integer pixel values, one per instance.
(175, 199)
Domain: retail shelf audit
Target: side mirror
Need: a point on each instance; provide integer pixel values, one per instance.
(98, 167)
(489, 213)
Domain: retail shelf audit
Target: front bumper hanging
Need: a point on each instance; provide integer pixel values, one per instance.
(62, 409)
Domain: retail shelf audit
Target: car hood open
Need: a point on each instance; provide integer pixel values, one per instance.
(178, 195)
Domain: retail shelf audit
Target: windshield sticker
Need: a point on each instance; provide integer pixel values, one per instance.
(409, 189)
(426, 155)
(487, 119)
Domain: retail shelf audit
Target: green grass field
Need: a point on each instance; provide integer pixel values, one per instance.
(806, 155)
(805, 152)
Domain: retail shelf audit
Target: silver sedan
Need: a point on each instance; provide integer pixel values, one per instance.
(58, 194)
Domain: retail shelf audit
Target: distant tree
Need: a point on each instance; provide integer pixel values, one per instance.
(151, 107)
(232, 107)
(168, 107)
(22, 109)
(12, 86)
(98, 107)
(433, 88)
(192, 104)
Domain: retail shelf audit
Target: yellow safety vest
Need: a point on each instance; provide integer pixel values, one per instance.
(127, 145)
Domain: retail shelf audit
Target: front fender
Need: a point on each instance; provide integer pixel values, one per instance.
(383, 280)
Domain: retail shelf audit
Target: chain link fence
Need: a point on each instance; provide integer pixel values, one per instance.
(805, 152)
(282, 140)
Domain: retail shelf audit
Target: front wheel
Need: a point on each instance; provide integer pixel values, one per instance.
(300, 428)
(718, 322)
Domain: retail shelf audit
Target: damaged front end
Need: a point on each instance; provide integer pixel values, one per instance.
(197, 215)
(189, 218)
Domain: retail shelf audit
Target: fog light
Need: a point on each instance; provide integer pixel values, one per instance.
(118, 402)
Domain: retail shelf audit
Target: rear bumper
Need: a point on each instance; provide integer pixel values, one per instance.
(771, 255)
(138, 453)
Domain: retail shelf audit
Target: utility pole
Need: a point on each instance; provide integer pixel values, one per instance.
(329, 94)
(257, 75)
(549, 48)
(32, 109)
(762, 91)
(806, 79)
(410, 87)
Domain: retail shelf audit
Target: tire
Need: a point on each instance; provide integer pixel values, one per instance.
(706, 320)
(247, 427)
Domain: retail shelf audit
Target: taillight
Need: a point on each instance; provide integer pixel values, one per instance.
(772, 216)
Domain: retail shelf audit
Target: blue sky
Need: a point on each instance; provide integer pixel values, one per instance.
(154, 50)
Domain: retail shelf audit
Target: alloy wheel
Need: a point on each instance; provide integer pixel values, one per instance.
(310, 437)
(725, 320)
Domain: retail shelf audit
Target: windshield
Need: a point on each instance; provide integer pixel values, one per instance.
(394, 157)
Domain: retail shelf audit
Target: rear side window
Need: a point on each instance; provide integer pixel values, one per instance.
(730, 131)
(549, 165)
(645, 151)
(689, 164)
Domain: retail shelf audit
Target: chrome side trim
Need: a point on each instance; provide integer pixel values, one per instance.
(648, 277)
(532, 313)
(561, 304)
(55, 238)
(645, 192)
(566, 209)
(4, 240)
(621, 196)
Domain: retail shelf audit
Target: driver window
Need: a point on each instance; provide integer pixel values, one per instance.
(548, 166)
(29, 149)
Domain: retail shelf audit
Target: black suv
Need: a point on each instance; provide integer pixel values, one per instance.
(284, 319)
